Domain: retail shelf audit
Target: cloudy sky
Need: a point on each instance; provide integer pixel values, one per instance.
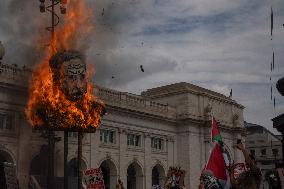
(219, 45)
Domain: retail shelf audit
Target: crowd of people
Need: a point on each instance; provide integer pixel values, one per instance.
(249, 179)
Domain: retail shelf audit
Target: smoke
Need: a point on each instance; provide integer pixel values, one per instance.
(111, 47)
(18, 28)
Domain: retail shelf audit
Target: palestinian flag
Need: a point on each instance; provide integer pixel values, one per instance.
(216, 163)
(218, 156)
(215, 135)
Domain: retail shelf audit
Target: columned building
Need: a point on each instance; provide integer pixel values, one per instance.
(266, 148)
(139, 139)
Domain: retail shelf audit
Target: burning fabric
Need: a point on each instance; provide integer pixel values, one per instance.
(66, 101)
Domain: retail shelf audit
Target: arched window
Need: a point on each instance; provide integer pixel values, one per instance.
(109, 174)
(38, 166)
(158, 175)
(73, 167)
(134, 176)
(5, 157)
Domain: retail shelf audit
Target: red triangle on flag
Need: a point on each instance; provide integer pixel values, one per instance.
(216, 163)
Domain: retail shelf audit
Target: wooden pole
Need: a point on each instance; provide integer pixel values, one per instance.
(65, 160)
(51, 144)
(80, 136)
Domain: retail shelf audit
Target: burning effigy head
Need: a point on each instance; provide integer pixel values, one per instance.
(69, 72)
(62, 98)
(61, 93)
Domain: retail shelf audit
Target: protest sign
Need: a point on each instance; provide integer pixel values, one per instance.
(239, 168)
(93, 179)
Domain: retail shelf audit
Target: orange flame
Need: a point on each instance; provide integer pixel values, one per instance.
(44, 94)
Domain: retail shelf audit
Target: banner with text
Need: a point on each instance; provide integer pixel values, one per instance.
(93, 179)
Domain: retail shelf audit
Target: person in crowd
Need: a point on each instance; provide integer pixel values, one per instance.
(249, 179)
(119, 185)
(207, 180)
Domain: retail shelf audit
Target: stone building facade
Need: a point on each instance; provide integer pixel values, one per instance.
(266, 148)
(139, 139)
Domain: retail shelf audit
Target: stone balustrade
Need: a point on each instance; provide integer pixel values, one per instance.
(135, 102)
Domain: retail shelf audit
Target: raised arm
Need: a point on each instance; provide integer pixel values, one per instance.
(248, 160)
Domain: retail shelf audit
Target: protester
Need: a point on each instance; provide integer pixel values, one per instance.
(208, 181)
(157, 187)
(175, 178)
(250, 179)
(119, 185)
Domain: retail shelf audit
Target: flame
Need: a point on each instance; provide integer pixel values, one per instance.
(45, 95)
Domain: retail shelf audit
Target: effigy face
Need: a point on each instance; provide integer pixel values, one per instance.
(74, 82)
(64, 100)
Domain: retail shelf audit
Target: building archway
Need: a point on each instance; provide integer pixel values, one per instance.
(39, 166)
(134, 176)
(109, 173)
(73, 167)
(5, 157)
(158, 175)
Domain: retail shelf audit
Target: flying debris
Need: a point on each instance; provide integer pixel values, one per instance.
(141, 68)
(103, 13)
(274, 103)
(271, 93)
(273, 61)
(271, 26)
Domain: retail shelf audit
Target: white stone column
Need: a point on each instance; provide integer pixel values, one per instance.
(122, 169)
(95, 142)
(171, 152)
(175, 151)
(147, 161)
(24, 151)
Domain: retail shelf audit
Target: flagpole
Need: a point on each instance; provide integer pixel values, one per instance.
(211, 113)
